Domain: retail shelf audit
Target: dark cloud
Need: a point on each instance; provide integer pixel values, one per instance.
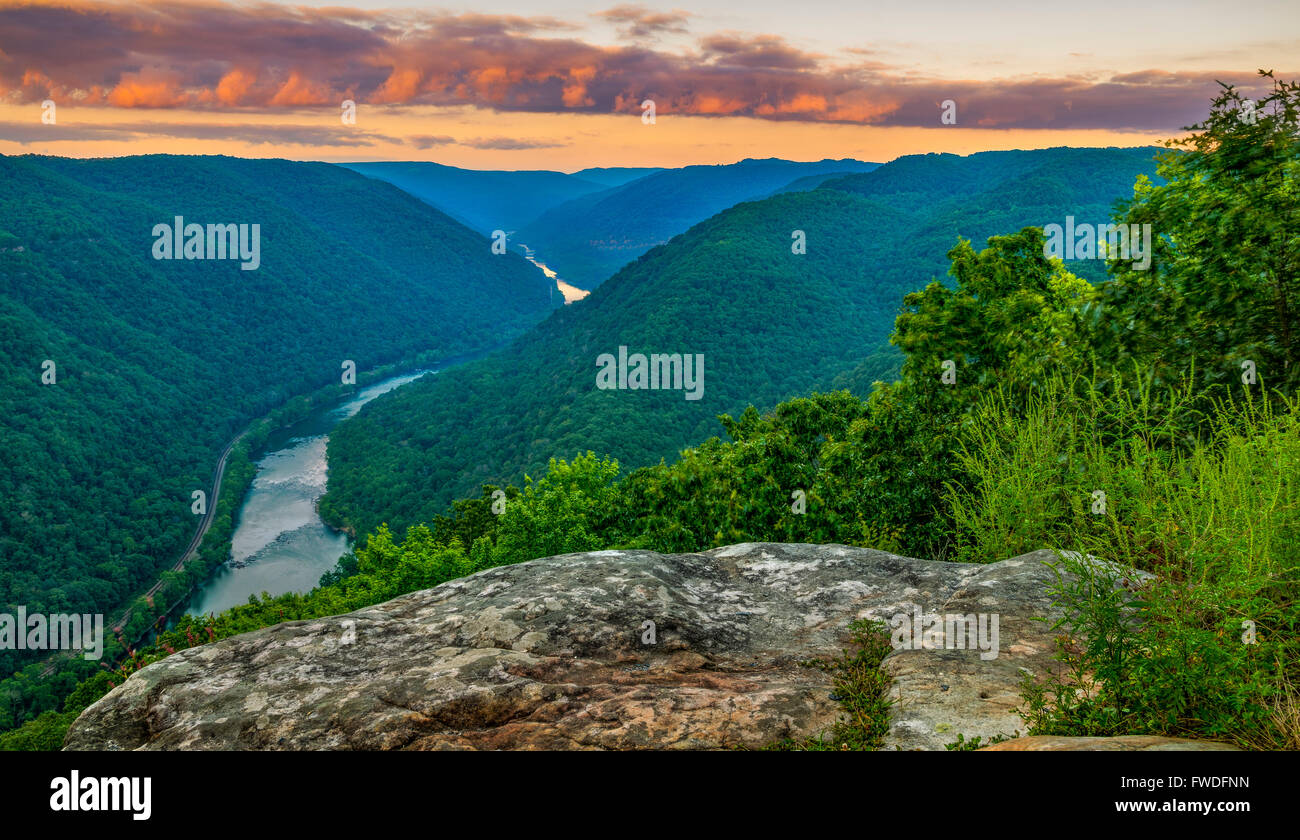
(228, 57)
(482, 26)
(305, 135)
(25, 133)
(428, 141)
(759, 52)
(637, 22)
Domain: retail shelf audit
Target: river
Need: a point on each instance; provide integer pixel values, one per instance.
(570, 292)
(280, 543)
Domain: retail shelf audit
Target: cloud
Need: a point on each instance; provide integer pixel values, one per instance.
(483, 26)
(428, 141)
(220, 56)
(149, 89)
(638, 22)
(303, 135)
(758, 52)
(509, 143)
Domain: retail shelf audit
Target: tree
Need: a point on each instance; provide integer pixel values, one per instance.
(1223, 287)
(1013, 318)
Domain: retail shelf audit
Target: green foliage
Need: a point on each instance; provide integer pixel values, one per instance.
(976, 743)
(720, 493)
(1197, 464)
(1211, 519)
(1011, 316)
(46, 731)
(821, 469)
(559, 514)
(1009, 319)
(1224, 284)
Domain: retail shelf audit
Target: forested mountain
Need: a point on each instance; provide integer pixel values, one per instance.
(810, 182)
(615, 176)
(489, 200)
(770, 324)
(982, 194)
(589, 238)
(157, 362)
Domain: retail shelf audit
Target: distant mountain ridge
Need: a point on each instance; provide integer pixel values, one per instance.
(615, 176)
(590, 237)
(486, 200)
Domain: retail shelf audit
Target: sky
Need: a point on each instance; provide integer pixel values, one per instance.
(551, 84)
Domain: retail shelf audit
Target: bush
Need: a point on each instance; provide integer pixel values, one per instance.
(1202, 644)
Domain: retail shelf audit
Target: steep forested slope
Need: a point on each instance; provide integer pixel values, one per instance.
(159, 362)
(1012, 189)
(769, 323)
(589, 238)
(810, 182)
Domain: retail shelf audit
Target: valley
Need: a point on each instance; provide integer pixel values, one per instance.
(771, 324)
(901, 358)
(162, 362)
(571, 293)
(394, 392)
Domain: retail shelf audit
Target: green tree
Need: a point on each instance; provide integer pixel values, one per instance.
(1223, 287)
(1013, 317)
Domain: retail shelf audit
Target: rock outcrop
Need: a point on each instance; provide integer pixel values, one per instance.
(557, 653)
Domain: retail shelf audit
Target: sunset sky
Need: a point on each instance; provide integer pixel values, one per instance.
(551, 84)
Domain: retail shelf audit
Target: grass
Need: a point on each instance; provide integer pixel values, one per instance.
(976, 743)
(862, 690)
(1203, 496)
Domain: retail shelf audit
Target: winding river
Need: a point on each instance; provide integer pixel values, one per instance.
(280, 543)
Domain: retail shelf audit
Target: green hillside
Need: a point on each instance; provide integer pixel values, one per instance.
(770, 324)
(810, 182)
(159, 363)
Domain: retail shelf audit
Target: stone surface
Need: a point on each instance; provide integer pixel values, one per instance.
(549, 655)
(1119, 743)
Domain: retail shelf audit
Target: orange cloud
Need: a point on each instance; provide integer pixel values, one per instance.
(299, 90)
(575, 93)
(146, 90)
(402, 85)
(234, 86)
(709, 105)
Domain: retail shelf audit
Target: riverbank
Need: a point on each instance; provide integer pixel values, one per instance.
(280, 543)
(234, 473)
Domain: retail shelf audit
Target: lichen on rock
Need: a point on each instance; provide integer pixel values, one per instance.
(554, 654)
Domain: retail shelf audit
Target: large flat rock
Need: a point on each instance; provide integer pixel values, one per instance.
(550, 655)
